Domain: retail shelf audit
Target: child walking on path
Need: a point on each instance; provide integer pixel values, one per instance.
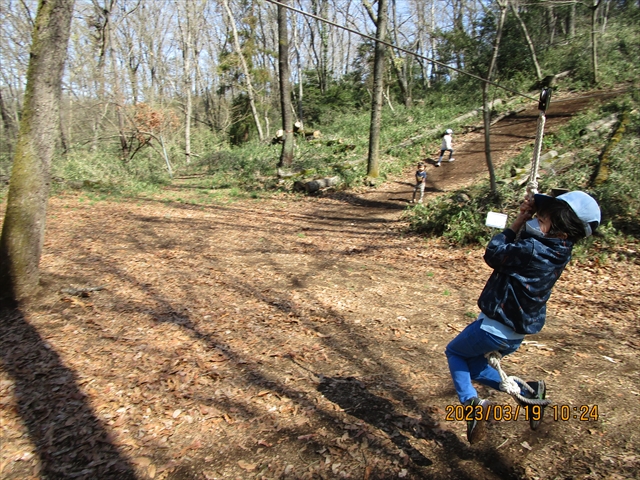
(447, 146)
(421, 182)
(513, 302)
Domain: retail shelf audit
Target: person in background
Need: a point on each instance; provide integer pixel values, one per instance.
(421, 182)
(447, 146)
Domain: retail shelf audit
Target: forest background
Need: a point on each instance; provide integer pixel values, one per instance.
(154, 88)
(198, 318)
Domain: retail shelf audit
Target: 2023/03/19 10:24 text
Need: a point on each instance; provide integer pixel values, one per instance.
(499, 413)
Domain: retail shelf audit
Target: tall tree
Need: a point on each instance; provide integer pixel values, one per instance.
(7, 123)
(189, 23)
(104, 23)
(399, 64)
(503, 5)
(373, 166)
(594, 39)
(532, 48)
(286, 156)
(245, 69)
(24, 223)
(320, 8)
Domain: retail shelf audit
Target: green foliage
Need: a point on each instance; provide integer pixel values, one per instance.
(243, 127)
(619, 195)
(106, 172)
(461, 220)
(617, 51)
(232, 162)
(340, 98)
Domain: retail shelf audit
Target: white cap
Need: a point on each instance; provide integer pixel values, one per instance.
(584, 206)
(449, 131)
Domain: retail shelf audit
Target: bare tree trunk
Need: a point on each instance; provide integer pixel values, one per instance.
(133, 65)
(286, 156)
(485, 96)
(321, 10)
(605, 16)
(187, 90)
(119, 97)
(458, 28)
(425, 38)
(594, 40)
(299, 72)
(8, 125)
(401, 71)
(186, 33)
(373, 167)
(532, 48)
(24, 222)
(245, 70)
(572, 20)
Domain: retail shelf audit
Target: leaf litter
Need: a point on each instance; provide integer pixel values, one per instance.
(221, 348)
(176, 341)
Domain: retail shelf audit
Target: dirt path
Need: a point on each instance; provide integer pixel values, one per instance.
(290, 338)
(508, 138)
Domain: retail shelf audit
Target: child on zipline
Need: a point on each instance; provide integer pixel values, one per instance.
(421, 182)
(513, 302)
(447, 146)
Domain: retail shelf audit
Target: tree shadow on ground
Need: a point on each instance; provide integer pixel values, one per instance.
(363, 202)
(353, 397)
(69, 439)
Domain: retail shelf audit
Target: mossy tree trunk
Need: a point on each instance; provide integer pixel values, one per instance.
(594, 40)
(373, 165)
(24, 223)
(485, 96)
(286, 156)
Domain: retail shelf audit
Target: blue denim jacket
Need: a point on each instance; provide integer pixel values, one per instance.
(524, 273)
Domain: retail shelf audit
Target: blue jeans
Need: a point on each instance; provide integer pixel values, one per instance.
(465, 355)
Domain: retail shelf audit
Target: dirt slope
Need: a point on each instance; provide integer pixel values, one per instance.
(290, 338)
(508, 137)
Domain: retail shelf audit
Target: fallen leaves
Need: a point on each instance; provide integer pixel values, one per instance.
(249, 467)
(210, 345)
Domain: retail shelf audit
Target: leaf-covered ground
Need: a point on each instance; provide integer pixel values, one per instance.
(295, 338)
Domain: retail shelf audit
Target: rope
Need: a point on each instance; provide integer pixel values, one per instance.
(532, 186)
(514, 385)
(543, 104)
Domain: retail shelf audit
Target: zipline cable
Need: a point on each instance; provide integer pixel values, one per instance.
(408, 52)
(509, 384)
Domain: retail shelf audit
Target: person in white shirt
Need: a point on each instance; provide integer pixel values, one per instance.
(447, 146)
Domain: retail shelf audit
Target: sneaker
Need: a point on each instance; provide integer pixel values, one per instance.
(438, 164)
(420, 201)
(452, 159)
(540, 393)
(476, 428)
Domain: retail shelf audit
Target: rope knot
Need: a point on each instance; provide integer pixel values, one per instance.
(513, 385)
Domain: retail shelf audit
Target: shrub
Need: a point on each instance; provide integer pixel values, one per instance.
(619, 196)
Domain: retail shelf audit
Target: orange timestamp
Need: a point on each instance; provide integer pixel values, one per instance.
(499, 413)
(583, 413)
(492, 412)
